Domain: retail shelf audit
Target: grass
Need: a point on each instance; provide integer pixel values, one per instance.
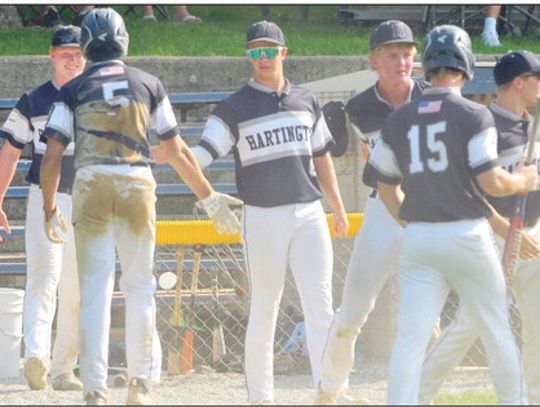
(467, 398)
(223, 33)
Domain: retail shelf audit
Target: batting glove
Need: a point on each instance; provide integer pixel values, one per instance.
(217, 206)
(54, 224)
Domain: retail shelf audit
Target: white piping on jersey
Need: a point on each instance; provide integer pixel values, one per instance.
(501, 111)
(383, 100)
(482, 147)
(165, 118)
(384, 160)
(263, 88)
(218, 134)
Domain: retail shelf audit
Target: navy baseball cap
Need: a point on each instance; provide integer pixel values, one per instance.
(66, 36)
(392, 32)
(515, 64)
(265, 31)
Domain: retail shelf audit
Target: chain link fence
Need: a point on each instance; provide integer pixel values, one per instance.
(209, 330)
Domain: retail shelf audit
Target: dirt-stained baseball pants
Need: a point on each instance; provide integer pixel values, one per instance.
(114, 207)
(373, 259)
(296, 235)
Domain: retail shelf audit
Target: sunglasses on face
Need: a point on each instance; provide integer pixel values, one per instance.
(258, 53)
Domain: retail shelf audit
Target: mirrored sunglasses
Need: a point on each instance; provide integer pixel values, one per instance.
(258, 53)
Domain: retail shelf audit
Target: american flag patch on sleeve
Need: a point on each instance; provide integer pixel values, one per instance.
(111, 70)
(429, 107)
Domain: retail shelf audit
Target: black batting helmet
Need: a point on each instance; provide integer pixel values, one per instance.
(448, 46)
(104, 35)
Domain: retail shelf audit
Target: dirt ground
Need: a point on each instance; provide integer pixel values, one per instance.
(368, 382)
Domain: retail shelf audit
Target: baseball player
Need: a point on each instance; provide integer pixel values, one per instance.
(107, 111)
(280, 142)
(517, 76)
(49, 266)
(442, 150)
(377, 245)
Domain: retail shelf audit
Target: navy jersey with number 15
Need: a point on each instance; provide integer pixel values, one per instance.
(435, 147)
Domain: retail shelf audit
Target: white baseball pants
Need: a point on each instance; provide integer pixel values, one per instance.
(114, 206)
(50, 266)
(373, 259)
(290, 235)
(450, 348)
(434, 258)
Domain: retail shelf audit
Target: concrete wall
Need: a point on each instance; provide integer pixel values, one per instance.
(182, 74)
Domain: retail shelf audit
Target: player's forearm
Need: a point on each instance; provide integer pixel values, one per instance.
(499, 183)
(326, 176)
(49, 178)
(185, 164)
(392, 197)
(9, 156)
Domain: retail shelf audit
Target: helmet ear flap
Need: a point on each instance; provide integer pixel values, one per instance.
(104, 35)
(448, 46)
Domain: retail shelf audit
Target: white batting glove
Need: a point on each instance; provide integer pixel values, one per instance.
(54, 224)
(217, 206)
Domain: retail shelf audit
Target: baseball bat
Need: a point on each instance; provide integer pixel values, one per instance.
(218, 341)
(187, 349)
(513, 239)
(173, 365)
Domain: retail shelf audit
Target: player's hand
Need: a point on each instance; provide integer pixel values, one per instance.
(340, 224)
(4, 224)
(529, 248)
(217, 206)
(529, 174)
(54, 223)
(159, 155)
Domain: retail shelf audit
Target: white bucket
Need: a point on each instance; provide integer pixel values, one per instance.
(11, 307)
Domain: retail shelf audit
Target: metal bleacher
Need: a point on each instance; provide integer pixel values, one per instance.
(183, 102)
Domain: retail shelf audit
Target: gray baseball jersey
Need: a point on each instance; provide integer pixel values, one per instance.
(368, 112)
(25, 125)
(114, 106)
(273, 139)
(512, 143)
(434, 147)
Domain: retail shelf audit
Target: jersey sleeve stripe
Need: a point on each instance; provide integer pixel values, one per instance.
(165, 120)
(217, 137)
(482, 148)
(384, 161)
(321, 135)
(11, 140)
(61, 121)
(19, 127)
(325, 149)
(52, 133)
